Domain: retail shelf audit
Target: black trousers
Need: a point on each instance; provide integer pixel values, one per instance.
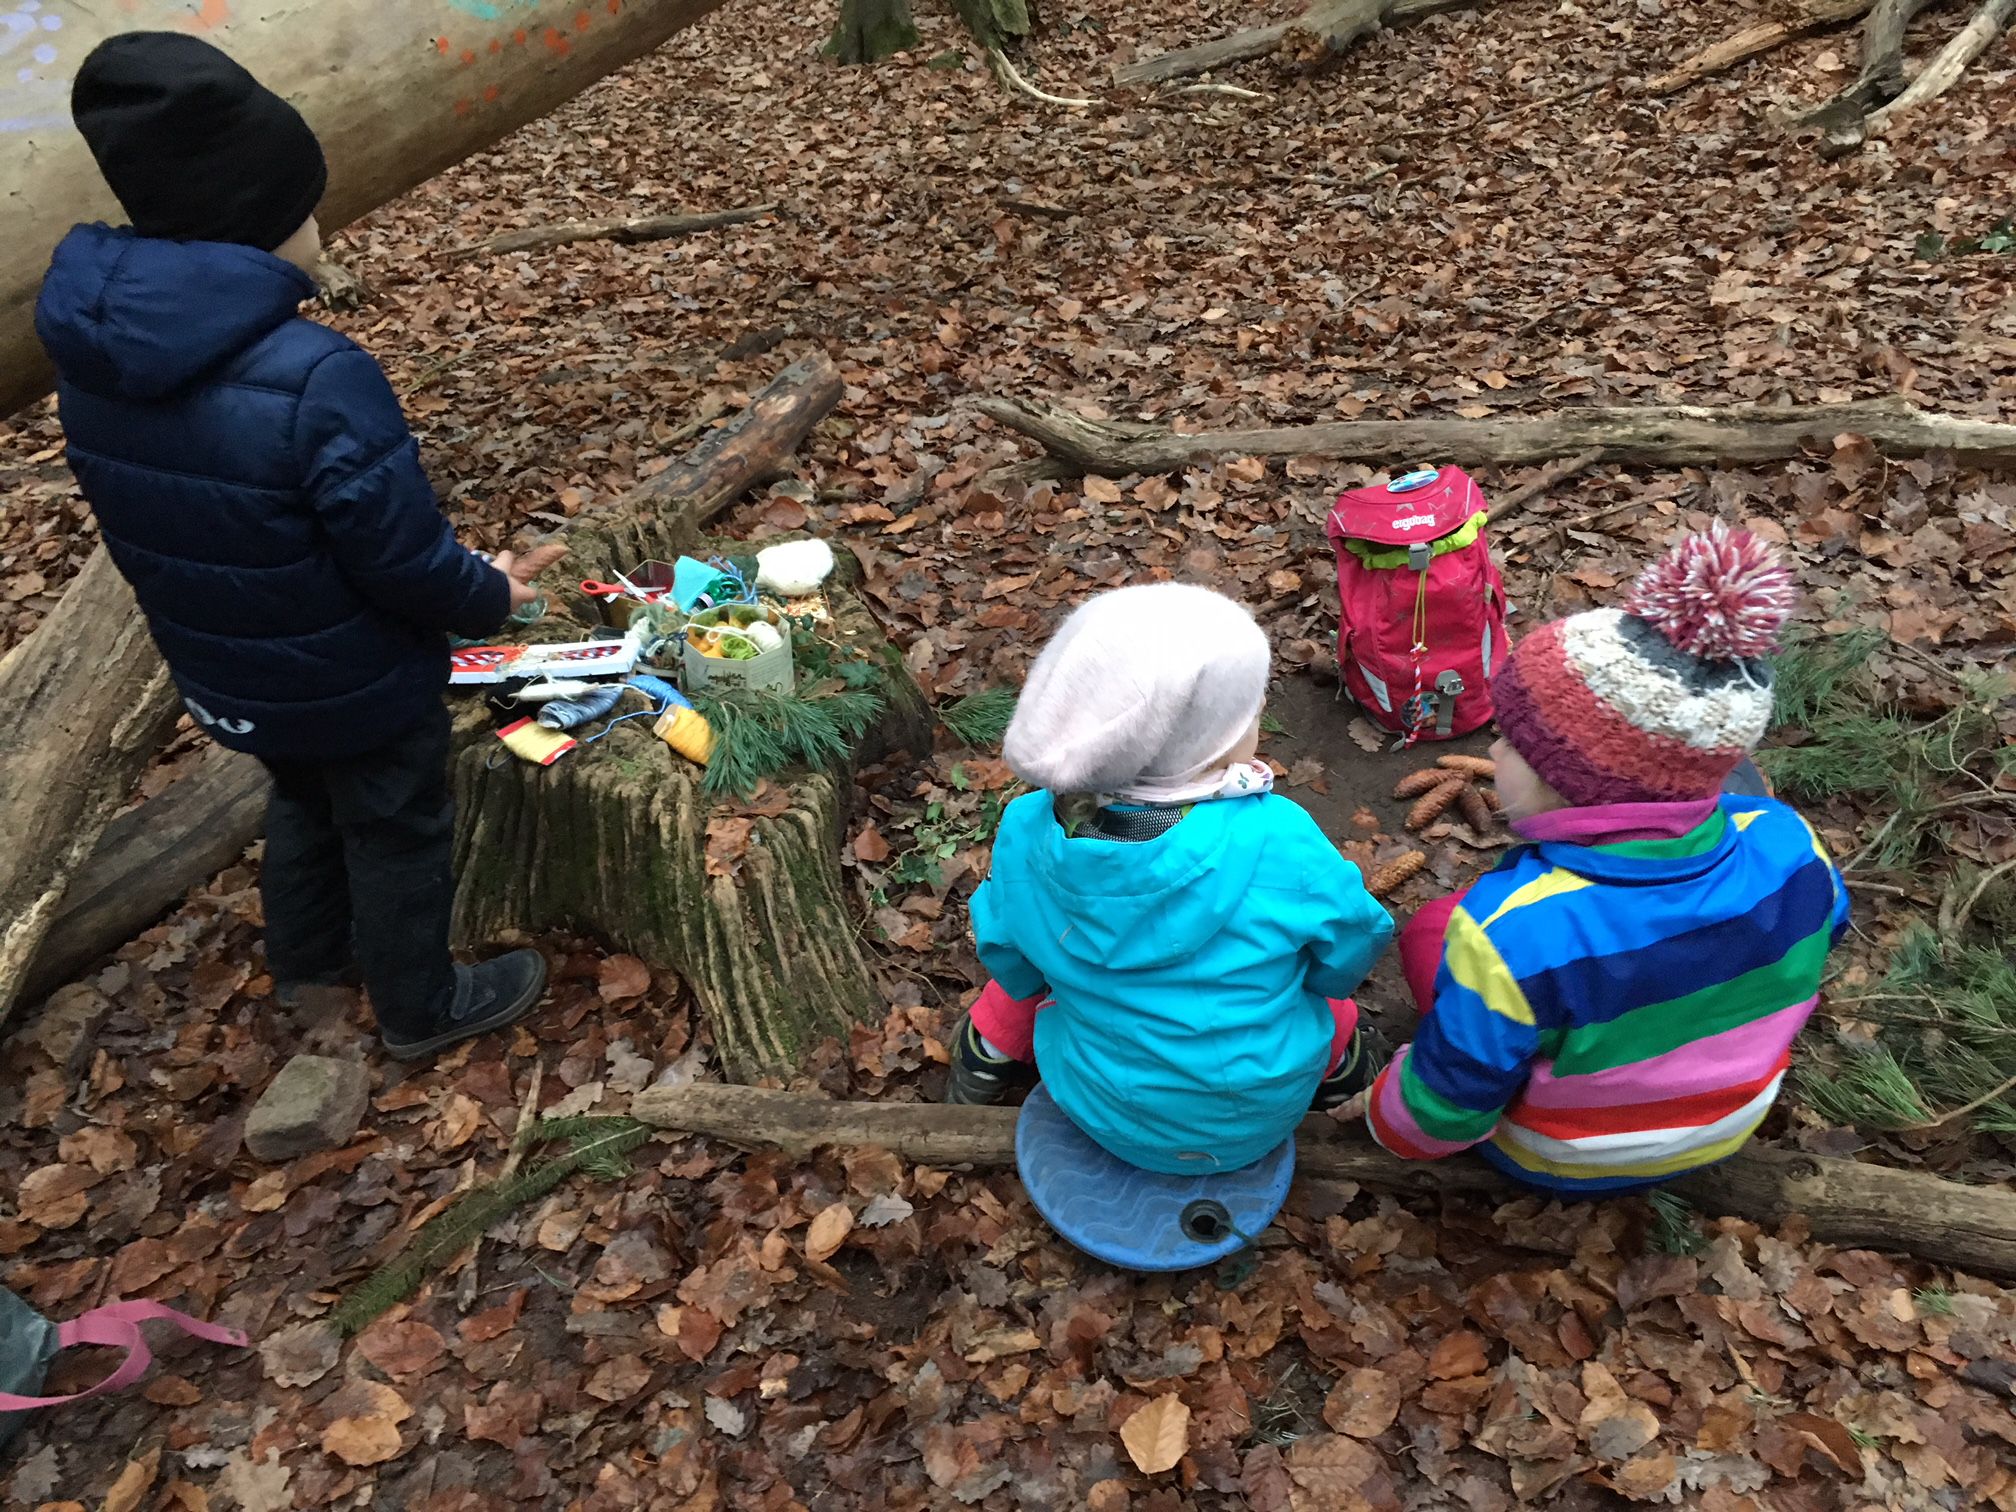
(359, 874)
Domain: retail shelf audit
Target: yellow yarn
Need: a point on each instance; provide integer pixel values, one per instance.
(687, 732)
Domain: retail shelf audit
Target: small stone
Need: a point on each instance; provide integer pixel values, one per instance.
(315, 1103)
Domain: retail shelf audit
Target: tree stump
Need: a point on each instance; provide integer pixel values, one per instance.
(868, 31)
(743, 900)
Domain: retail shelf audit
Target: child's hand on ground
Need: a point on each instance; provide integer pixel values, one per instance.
(522, 570)
(1353, 1109)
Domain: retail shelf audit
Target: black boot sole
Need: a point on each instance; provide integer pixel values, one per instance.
(501, 1017)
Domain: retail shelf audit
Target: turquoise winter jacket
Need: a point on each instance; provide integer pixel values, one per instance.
(1189, 973)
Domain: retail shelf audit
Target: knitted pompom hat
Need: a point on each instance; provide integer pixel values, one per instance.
(1141, 685)
(1659, 701)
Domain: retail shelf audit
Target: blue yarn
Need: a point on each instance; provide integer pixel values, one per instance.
(566, 713)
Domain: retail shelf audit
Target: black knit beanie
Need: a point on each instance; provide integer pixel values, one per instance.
(195, 148)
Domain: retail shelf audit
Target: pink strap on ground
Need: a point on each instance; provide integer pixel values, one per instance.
(118, 1325)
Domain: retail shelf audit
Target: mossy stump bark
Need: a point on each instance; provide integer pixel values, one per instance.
(871, 30)
(614, 838)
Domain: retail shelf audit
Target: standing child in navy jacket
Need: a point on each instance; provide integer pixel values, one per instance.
(254, 480)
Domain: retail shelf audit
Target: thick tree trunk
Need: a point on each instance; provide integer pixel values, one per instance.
(1664, 434)
(1844, 1201)
(617, 839)
(646, 229)
(396, 92)
(1754, 41)
(1338, 23)
(84, 702)
(868, 31)
(147, 860)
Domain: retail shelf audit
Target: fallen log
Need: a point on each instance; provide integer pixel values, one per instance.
(648, 228)
(1940, 75)
(745, 901)
(1338, 23)
(1678, 433)
(147, 860)
(1754, 41)
(1844, 1202)
(84, 704)
(1540, 482)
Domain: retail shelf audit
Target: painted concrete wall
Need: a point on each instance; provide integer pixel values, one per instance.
(397, 90)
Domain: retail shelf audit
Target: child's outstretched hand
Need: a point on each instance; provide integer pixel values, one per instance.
(522, 570)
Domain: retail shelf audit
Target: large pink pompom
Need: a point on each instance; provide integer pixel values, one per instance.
(1721, 595)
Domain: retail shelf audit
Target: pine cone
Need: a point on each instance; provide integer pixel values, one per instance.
(1435, 804)
(1476, 812)
(1395, 873)
(1414, 784)
(1470, 766)
(1492, 801)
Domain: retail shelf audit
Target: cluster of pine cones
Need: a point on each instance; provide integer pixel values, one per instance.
(1459, 782)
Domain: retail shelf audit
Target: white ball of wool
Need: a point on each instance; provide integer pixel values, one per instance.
(763, 635)
(1150, 683)
(792, 568)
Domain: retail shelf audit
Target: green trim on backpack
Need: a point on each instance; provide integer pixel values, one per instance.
(1390, 558)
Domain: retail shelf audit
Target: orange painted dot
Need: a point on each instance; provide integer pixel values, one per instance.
(493, 94)
(615, 7)
(557, 42)
(441, 46)
(495, 47)
(464, 106)
(468, 55)
(519, 36)
(581, 21)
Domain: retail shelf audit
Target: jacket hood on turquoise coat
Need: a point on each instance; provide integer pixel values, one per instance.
(1189, 973)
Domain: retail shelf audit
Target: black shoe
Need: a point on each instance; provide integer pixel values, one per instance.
(491, 996)
(1360, 1067)
(979, 1076)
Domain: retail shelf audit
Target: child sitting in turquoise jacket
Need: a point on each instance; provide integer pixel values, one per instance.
(1179, 966)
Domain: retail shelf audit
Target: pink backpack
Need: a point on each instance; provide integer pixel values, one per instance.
(1423, 609)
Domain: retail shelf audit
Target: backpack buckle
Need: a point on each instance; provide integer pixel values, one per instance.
(1419, 555)
(1448, 687)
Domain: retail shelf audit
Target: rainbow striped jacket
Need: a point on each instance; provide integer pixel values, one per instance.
(1609, 1015)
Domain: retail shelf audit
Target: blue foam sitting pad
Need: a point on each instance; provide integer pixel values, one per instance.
(1142, 1220)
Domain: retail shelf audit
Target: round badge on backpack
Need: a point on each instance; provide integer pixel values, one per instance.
(1408, 482)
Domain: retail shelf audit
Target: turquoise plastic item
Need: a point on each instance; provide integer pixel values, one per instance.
(698, 585)
(1142, 1220)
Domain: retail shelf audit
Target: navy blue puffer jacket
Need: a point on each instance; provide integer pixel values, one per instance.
(255, 481)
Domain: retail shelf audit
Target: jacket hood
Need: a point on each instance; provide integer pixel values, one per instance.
(1149, 904)
(132, 317)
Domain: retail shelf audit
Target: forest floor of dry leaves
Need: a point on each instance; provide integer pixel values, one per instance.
(1474, 216)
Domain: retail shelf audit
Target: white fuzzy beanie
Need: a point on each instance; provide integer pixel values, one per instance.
(1150, 684)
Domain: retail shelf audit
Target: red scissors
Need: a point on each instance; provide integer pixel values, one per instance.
(622, 588)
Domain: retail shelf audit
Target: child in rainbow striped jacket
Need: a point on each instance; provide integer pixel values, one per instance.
(1615, 1003)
